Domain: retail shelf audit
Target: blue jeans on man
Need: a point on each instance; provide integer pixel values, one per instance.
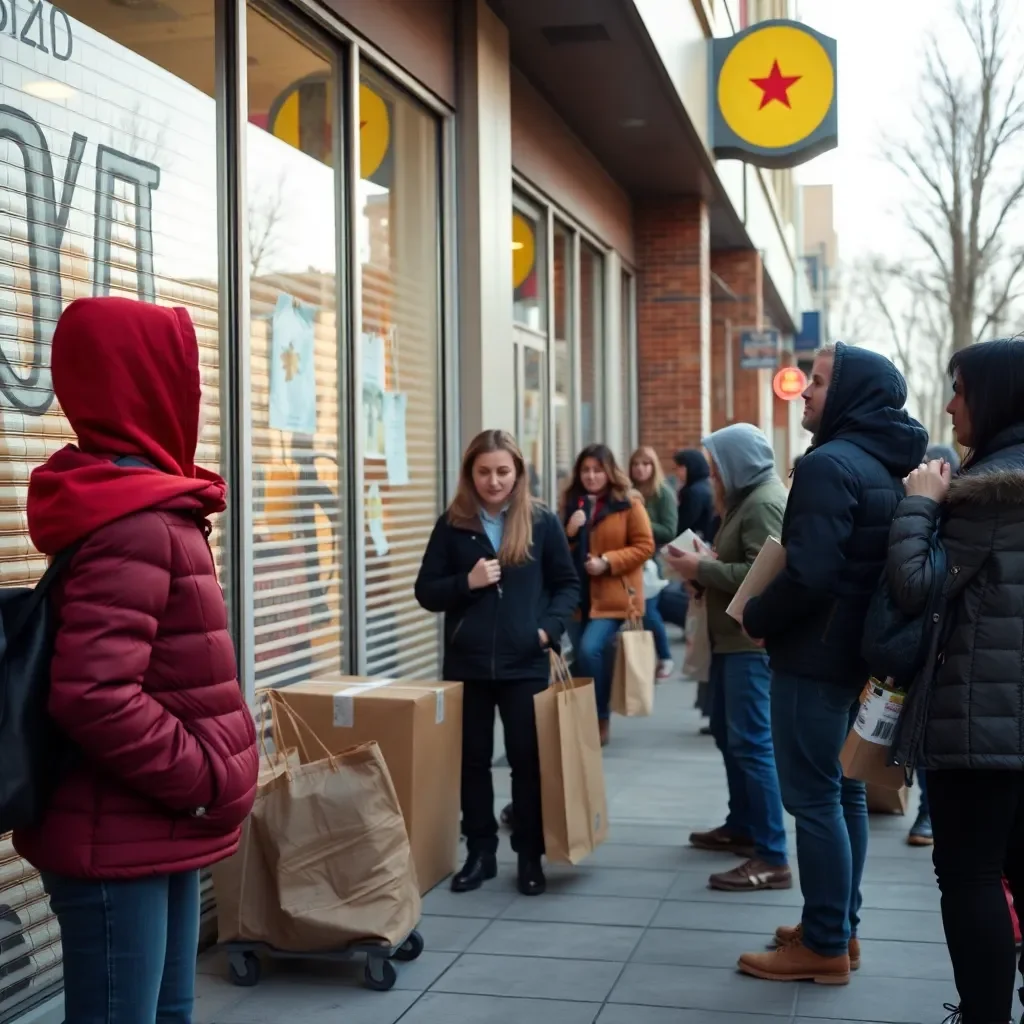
(593, 644)
(810, 723)
(742, 729)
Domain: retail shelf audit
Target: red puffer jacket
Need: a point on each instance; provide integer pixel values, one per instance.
(143, 676)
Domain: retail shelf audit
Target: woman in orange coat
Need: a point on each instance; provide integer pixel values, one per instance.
(610, 537)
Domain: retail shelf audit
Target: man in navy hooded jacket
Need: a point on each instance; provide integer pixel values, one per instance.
(811, 617)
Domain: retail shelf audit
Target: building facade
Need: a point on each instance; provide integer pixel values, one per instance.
(394, 223)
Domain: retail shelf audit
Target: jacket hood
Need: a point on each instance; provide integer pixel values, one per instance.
(865, 406)
(126, 375)
(743, 456)
(697, 468)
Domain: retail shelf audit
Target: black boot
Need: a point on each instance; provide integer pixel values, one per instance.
(479, 868)
(531, 880)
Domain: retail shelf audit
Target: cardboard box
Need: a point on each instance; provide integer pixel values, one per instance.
(866, 750)
(770, 561)
(418, 727)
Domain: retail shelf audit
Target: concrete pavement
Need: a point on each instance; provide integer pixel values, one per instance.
(634, 936)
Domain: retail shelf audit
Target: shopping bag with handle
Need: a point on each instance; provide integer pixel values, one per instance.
(697, 663)
(636, 665)
(336, 846)
(573, 802)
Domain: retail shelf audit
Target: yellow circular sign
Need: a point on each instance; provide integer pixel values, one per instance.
(524, 248)
(374, 131)
(776, 86)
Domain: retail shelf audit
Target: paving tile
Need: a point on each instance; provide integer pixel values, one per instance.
(487, 902)
(566, 941)
(576, 980)
(277, 998)
(613, 1014)
(700, 988)
(889, 959)
(691, 887)
(595, 881)
(594, 910)
(442, 1008)
(450, 934)
(724, 917)
(696, 949)
(886, 1000)
(907, 925)
(631, 855)
(214, 996)
(896, 896)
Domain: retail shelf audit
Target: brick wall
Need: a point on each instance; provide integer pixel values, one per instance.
(673, 323)
(742, 273)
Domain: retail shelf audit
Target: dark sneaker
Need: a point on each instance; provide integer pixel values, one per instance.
(531, 880)
(752, 876)
(479, 868)
(921, 831)
(722, 839)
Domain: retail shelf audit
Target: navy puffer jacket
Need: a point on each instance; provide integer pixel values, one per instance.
(836, 528)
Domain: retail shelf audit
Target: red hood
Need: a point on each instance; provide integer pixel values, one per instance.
(126, 375)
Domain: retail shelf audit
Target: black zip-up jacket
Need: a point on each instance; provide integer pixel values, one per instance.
(491, 634)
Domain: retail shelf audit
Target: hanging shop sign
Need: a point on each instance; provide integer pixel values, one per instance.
(524, 249)
(789, 383)
(773, 94)
(759, 350)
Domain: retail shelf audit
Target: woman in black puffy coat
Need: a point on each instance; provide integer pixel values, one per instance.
(964, 718)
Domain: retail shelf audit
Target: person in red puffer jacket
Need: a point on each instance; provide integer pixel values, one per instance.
(143, 677)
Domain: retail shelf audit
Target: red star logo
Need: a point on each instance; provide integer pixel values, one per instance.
(775, 86)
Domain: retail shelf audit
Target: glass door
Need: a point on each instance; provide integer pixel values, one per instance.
(533, 410)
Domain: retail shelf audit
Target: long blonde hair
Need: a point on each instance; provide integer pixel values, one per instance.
(648, 489)
(517, 538)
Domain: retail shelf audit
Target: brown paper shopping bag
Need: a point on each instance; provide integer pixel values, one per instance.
(336, 846)
(697, 663)
(636, 665)
(573, 801)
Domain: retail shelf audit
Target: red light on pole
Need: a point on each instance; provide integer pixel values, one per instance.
(789, 383)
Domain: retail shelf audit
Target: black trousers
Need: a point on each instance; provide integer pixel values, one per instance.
(514, 702)
(978, 823)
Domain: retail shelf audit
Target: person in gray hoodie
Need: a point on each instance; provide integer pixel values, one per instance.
(751, 499)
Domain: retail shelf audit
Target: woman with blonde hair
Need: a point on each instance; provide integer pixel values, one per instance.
(498, 566)
(648, 478)
(610, 537)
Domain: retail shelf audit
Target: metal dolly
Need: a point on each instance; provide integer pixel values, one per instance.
(245, 967)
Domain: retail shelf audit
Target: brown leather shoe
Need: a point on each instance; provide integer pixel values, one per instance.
(795, 962)
(751, 876)
(722, 839)
(786, 935)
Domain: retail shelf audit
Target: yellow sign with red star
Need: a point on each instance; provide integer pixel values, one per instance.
(773, 95)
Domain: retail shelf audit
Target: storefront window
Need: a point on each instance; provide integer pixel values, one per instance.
(531, 408)
(591, 344)
(563, 392)
(399, 240)
(627, 346)
(296, 362)
(108, 186)
(529, 267)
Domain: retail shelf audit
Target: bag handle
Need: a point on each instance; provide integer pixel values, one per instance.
(299, 724)
(561, 677)
(633, 620)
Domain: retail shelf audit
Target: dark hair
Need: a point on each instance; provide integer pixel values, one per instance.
(696, 465)
(619, 484)
(992, 378)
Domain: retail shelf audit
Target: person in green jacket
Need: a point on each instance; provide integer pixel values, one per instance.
(751, 499)
(660, 501)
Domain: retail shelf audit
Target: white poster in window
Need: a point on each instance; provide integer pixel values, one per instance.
(375, 520)
(373, 397)
(396, 450)
(292, 368)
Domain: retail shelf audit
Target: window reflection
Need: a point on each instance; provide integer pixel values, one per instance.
(529, 268)
(562, 413)
(591, 343)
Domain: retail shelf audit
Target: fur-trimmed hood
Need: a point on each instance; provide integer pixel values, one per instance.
(995, 487)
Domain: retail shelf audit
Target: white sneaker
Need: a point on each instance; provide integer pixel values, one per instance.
(665, 669)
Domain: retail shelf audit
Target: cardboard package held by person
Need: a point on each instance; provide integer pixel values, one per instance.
(866, 750)
(418, 726)
(770, 561)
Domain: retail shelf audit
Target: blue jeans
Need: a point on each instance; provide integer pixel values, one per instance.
(656, 624)
(810, 723)
(742, 728)
(923, 807)
(129, 948)
(594, 646)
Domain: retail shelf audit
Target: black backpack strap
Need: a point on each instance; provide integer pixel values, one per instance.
(41, 590)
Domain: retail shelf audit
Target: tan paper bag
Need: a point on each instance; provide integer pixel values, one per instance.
(336, 846)
(697, 663)
(573, 802)
(247, 909)
(636, 665)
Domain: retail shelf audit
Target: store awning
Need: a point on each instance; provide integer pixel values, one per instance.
(596, 64)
